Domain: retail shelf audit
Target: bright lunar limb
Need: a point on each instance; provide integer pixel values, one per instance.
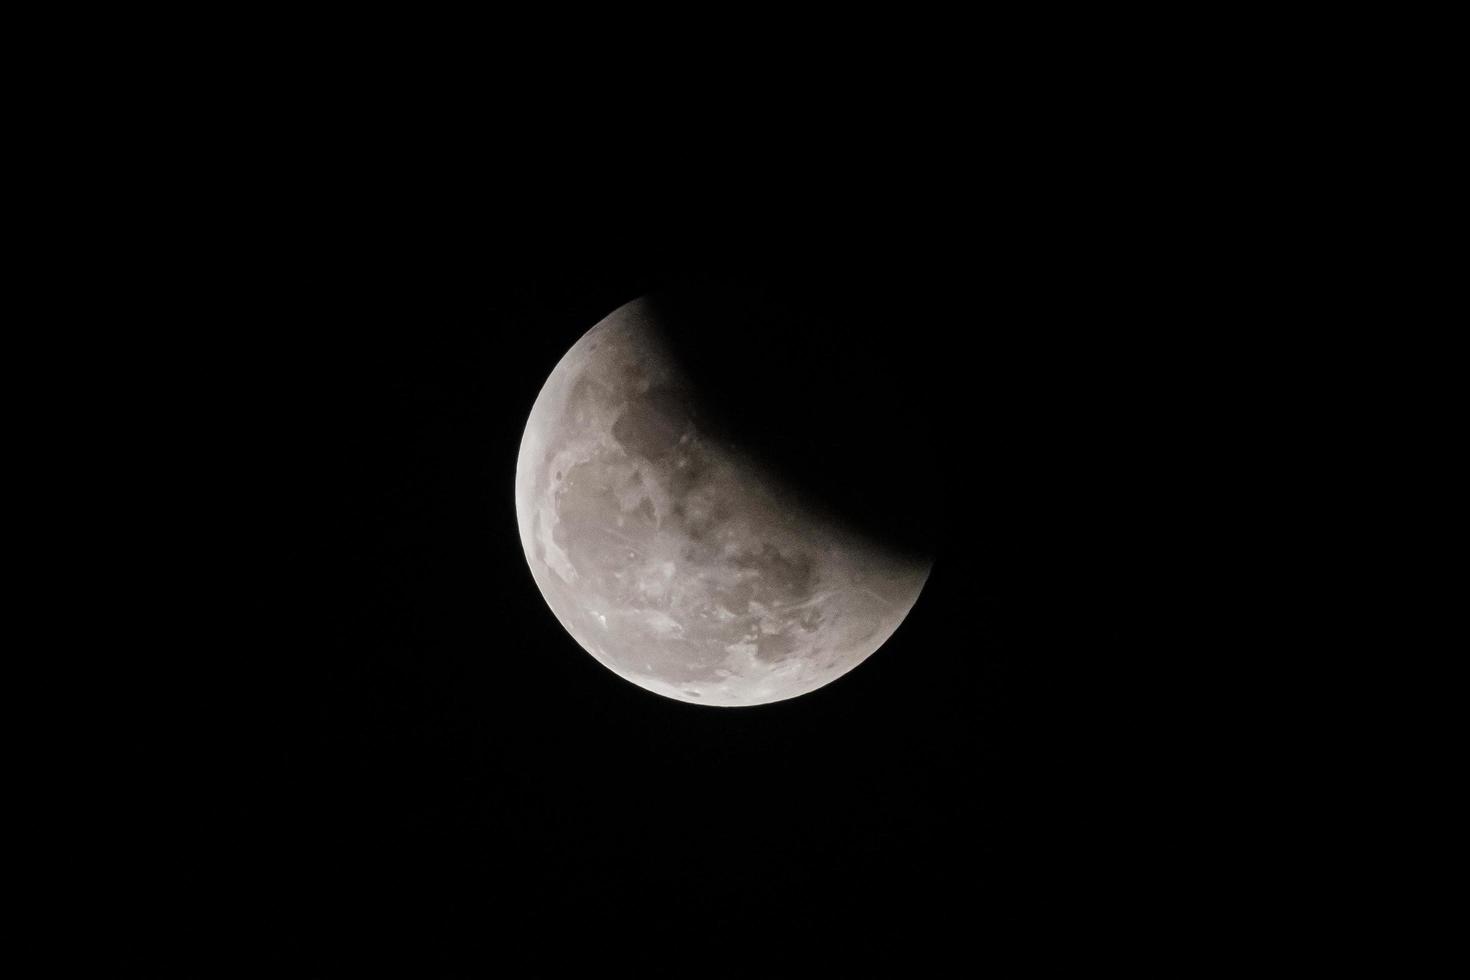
(671, 557)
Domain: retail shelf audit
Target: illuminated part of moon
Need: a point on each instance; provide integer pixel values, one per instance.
(672, 558)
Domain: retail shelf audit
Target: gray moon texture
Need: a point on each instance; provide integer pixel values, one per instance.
(671, 557)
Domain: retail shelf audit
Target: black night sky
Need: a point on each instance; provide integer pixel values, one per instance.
(445, 779)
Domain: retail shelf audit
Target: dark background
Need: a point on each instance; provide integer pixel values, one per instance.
(1005, 362)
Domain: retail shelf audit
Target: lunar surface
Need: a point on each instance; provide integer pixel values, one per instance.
(670, 556)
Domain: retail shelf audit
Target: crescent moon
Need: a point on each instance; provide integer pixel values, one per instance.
(673, 558)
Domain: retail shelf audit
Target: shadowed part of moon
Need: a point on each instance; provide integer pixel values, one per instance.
(672, 557)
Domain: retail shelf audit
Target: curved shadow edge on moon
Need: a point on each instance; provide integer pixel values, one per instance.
(672, 559)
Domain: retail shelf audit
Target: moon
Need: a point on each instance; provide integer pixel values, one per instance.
(671, 555)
